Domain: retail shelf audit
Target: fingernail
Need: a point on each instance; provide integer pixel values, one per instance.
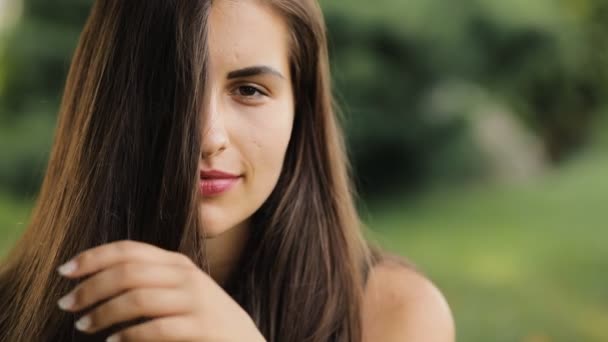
(83, 323)
(66, 302)
(113, 338)
(67, 268)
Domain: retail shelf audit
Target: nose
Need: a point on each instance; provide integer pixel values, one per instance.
(215, 138)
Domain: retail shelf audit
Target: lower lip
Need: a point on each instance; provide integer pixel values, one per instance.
(216, 186)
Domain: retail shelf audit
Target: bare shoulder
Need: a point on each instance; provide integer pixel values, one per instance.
(400, 304)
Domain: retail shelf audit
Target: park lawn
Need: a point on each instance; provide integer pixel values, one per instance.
(517, 263)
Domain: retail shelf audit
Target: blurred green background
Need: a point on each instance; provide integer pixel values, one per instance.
(477, 132)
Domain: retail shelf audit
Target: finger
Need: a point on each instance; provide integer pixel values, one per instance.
(98, 258)
(174, 328)
(138, 303)
(120, 278)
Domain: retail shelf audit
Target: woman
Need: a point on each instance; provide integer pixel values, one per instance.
(198, 184)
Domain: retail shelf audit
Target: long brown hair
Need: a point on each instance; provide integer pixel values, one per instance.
(124, 166)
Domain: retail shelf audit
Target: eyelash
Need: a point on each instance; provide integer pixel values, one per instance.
(237, 91)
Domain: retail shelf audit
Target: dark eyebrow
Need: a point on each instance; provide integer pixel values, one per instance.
(254, 71)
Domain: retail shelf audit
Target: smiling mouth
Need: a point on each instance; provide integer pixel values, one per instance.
(214, 183)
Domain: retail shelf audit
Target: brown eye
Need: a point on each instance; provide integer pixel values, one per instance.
(248, 91)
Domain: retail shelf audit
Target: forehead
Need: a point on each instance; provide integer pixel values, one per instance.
(245, 33)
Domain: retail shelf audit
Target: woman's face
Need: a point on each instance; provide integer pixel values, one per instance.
(248, 112)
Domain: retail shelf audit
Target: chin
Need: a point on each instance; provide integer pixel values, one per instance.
(213, 232)
(217, 220)
(212, 228)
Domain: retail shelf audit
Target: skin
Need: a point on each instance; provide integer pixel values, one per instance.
(249, 116)
(248, 121)
(402, 305)
(146, 281)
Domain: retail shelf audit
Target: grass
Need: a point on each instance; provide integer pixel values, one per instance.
(517, 263)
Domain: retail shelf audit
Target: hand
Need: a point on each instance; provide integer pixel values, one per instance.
(141, 280)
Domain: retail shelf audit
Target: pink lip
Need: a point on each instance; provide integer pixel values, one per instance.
(215, 182)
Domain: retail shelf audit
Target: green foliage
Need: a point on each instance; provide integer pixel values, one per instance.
(383, 80)
(25, 148)
(33, 69)
(38, 56)
(389, 58)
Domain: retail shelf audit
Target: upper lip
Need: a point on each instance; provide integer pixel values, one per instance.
(216, 174)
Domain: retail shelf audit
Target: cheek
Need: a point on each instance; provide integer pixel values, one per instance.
(262, 135)
(267, 132)
(267, 148)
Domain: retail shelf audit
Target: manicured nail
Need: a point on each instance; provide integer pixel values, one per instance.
(66, 302)
(113, 338)
(83, 323)
(67, 268)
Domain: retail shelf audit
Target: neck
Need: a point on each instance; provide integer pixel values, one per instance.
(224, 252)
